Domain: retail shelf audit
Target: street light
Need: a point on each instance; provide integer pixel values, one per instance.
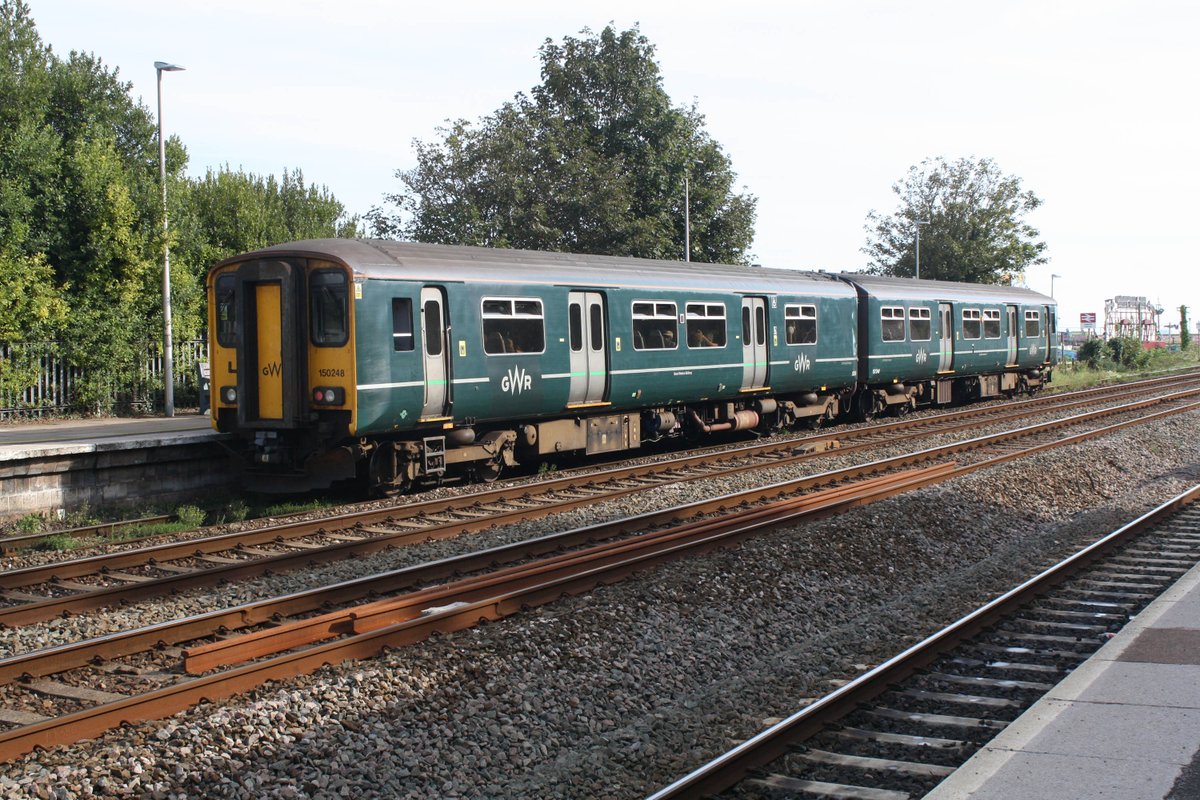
(1052, 277)
(919, 223)
(168, 348)
(687, 209)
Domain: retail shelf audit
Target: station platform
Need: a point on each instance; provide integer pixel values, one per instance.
(38, 436)
(1125, 725)
(54, 467)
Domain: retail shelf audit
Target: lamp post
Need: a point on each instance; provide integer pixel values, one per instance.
(168, 347)
(919, 223)
(687, 219)
(1052, 277)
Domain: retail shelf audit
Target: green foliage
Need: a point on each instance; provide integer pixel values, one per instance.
(1127, 351)
(1090, 352)
(58, 542)
(81, 242)
(593, 160)
(1185, 336)
(976, 231)
(189, 516)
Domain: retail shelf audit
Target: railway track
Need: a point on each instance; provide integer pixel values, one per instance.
(35, 594)
(897, 731)
(131, 676)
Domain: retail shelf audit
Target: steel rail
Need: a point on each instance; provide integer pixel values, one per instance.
(42, 610)
(457, 616)
(280, 534)
(168, 700)
(726, 770)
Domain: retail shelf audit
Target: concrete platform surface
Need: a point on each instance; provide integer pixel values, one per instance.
(65, 436)
(1124, 726)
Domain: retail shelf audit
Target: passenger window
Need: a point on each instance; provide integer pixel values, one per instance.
(576, 327)
(654, 326)
(706, 324)
(971, 325)
(329, 307)
(760, 326)
(513, 325)
(991, 323)
(227, 311)
(433, 327)
(402, 324)
(746, 326)
(596, 321)
(800, 324)
(1033, 325)
(891, 323)
(920, 324)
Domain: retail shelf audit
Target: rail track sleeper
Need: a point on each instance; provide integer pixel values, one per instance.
(1106, 593)
(935, 720)
(887, 765)
(15, 716)
(901, 739)
(127, 577)
(66, 691)
(1027, 636)
(1054, 625)
(1014, 666)
(785, 783)
(991, 683)
(960, 699)
(1080, 615)
(209, 558)
(1035, 652)
(1107, 584)
(175, 569)
(1182, 565)
(1146, 576)
(72, 586)
(21, 597)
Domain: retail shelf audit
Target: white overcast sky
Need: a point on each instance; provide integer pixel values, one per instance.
(821, 106)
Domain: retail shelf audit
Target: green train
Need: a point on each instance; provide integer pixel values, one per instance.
(408, 363)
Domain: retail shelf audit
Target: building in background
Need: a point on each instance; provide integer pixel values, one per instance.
(1125, 315)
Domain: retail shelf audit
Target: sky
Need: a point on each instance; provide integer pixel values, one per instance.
(821, 106)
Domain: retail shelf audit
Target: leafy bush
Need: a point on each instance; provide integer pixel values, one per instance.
(1090, 353)
(1128, 352)
(189, 516)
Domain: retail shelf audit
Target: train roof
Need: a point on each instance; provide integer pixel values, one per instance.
(382, 258)
(887, 287)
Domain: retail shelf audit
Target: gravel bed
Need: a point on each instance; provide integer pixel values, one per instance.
(615, 693)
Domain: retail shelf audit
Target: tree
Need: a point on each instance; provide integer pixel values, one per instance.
(593, 160)
(1185, 336)
(976, 230)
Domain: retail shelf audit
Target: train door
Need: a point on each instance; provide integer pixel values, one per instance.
(946, 334)
(269, 353)
(1051, 333)
(589, 348)
(1012, 336)
(437, 368)
(754, 343)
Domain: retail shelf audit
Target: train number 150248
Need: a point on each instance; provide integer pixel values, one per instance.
(332, 373)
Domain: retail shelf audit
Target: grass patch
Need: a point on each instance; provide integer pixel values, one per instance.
(58, 542)
(1072, 375)
(294, 507)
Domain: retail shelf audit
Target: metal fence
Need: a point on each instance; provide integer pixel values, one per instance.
(36, 380)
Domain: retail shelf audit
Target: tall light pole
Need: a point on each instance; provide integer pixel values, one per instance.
(687, 218)
(919, 223)
(168, 347)
(1052, 277)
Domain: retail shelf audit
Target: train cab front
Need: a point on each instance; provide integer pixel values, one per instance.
(282, 366)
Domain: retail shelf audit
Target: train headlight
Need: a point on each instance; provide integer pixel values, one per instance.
(229, 395)
(329, 395)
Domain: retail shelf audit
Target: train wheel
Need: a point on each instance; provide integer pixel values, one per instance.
(488, 472)
(382, 477)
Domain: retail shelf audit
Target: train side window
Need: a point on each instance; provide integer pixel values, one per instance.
(596, 326)
(1033, 324)
(746, 333)
(575, 320)
(402, 324)
(891, 325)
(991, 323)
(513, 325)
(706, 324)
(654, 326)
(226, 292)
(971, 325)
(800, 324)
(329, 300)
(920, 324)
(432, 312)
(760, 325)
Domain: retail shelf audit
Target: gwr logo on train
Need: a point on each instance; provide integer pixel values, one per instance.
(272, 369)
(516, 381)
(802, 363)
